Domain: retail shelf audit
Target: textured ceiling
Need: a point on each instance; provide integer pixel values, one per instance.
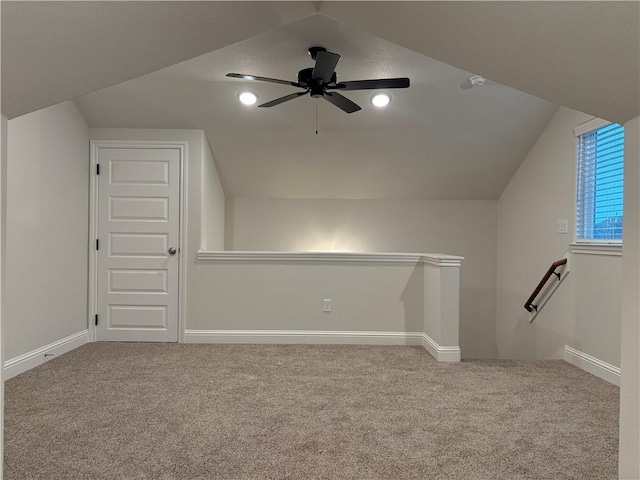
(56, 50)
(435, 140)
(583, 55)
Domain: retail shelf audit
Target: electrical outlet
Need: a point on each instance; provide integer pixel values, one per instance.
(326, 305)
(562, 226)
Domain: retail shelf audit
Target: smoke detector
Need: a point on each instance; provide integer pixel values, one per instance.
(477, 80)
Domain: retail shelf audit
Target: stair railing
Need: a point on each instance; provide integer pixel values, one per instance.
(529, 305)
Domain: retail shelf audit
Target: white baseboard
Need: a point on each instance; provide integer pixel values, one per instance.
(441, 353)
(317, 337)
(592, 365)
(29, 360)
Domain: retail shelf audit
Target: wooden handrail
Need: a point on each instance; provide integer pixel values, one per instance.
(552, 271)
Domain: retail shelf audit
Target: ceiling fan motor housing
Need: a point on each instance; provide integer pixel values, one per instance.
(305, 77)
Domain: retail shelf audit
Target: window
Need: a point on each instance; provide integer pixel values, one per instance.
(600, 182)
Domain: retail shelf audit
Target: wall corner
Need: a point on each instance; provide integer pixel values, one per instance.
(629, 461)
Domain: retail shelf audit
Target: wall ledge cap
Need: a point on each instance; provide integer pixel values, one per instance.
(435, 259)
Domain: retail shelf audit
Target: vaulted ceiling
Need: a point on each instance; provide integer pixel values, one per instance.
(435, 140)
(53, 51)
(162, 65)
(582, 55)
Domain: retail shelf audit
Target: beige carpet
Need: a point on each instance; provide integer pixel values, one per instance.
(149, 411)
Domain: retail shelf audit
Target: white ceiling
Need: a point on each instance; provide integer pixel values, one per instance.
(581, 54)
(584, 55)
(435, 140)
(53, 51)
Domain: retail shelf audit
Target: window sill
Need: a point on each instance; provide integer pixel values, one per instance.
(611, 249)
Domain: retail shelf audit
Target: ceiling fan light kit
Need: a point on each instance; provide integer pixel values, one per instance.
(321, 81)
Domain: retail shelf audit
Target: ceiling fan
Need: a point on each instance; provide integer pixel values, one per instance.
(321, 82)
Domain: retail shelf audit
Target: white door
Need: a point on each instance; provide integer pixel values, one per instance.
(138, 233)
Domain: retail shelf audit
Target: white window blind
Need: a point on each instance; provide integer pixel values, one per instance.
(600, 184)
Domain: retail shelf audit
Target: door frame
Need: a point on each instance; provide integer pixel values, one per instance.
(95, 145)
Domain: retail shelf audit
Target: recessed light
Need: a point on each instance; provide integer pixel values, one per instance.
(381, 100)
(247, 97)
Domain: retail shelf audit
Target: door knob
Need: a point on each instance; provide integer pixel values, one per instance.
(172, 250)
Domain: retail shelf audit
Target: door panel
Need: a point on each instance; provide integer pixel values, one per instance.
(138, 245)
(137, 172)
(138, 281)
(139, 209)
(138, 224)
(136, 317)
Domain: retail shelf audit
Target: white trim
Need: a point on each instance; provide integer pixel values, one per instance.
(93, 226)
(614, 249)
(592, 365)
(441, 353)
(321, 337)
(32, 359)
(93, 234)
(4, 126)
(183, 250)
(590, 126)
(435, 259)
(316, 337)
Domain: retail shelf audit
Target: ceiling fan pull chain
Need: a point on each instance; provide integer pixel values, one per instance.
(317, 116)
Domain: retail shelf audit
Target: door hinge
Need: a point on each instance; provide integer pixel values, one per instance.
(97, 244)
(98, 169)
(96, 319)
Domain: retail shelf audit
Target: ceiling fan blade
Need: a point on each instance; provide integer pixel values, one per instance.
(264, 79)
(343, 103)
(280, 100)
(325, 66)
(373, 84)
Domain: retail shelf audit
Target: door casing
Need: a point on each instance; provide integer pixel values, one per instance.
(95, 146)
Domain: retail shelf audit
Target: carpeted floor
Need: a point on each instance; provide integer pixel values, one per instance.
(241, 412)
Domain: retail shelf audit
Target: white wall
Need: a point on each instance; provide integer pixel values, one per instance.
(3, 236)
(378, 298)
(597, 287)
(630, 385)
(465, 228)
(213, 202)
(289, 296)
(584, 313)
(47, 228)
